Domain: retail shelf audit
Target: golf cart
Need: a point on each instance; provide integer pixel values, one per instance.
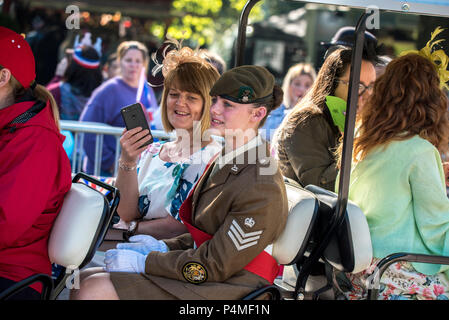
(324, 227)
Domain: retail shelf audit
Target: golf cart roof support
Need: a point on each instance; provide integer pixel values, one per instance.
(345, 169)
(241, 36)
(425, 7)
(348, 136)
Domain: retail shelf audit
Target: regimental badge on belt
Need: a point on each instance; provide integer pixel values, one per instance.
(194, 272)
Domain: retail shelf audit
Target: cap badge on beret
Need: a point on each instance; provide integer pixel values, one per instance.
(245, 94)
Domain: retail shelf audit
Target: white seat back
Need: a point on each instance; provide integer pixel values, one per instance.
(77, 225)
(350, 248)
(302, 214)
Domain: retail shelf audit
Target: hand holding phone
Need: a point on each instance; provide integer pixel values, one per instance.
(134, 117)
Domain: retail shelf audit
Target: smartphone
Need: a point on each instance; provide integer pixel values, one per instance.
(134, 116)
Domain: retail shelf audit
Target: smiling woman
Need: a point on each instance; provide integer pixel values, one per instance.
(233, 214)
(152, 194)
(188, 91)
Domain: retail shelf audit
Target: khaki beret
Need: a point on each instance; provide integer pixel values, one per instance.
(245, 84)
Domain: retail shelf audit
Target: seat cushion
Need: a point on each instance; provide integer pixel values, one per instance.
(77, 225)
(302, 215)
(350, 247)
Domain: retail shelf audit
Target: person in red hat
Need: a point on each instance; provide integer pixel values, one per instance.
(35, 172)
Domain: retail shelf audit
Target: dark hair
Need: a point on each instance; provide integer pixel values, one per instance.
(345, 37)
(216, 60)
(112, 57)
(325, 84)
(83, 79)
(274, 102)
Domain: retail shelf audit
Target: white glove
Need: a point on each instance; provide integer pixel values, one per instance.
(143, 244)
(124, 261)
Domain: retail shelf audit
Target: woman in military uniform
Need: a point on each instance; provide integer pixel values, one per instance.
(235, 212)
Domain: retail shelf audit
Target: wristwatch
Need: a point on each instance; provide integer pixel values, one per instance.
(131, 230)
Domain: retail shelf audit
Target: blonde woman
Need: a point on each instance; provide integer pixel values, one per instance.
(297, 82)
(236, 197)
(155, 180)
(106, 101)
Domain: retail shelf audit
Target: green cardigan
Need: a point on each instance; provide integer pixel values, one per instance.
(402, 192)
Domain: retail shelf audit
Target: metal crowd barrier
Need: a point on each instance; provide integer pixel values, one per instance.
(99, 129)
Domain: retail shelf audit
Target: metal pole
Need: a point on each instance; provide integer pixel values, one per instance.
(241, 36)
(80, 160)
(75, 153)
(345, 170)
(117, 155)
(98, 154)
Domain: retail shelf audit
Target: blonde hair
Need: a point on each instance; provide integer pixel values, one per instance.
(195, 77)
(325, 84)
(39, 92)
(128, 45)
(293, 72)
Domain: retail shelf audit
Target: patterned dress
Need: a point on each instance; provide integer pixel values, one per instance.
(163, 186)
(399, 282)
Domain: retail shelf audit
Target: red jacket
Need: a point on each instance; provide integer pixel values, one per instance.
(35, 175)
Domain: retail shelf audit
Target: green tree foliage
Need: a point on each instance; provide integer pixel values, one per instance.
(201, 22)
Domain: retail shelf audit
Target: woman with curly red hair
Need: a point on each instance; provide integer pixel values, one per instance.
(398, 179)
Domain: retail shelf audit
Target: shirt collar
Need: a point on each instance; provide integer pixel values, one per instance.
(228, 157)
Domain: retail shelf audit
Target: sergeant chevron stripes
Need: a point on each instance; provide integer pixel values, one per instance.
(241, 239)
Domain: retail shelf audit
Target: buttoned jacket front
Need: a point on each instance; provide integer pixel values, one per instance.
(244, 207)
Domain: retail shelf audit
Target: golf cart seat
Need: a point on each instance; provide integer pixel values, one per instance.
(350, 248)
(310, 211)
(76, 233)
(292, 244)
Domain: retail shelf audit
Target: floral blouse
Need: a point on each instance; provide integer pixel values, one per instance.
(163, 186)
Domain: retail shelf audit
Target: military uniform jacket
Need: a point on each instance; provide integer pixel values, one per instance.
(305, 149)
(244, 207)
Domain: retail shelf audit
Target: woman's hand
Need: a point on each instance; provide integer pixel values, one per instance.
(131, 144)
